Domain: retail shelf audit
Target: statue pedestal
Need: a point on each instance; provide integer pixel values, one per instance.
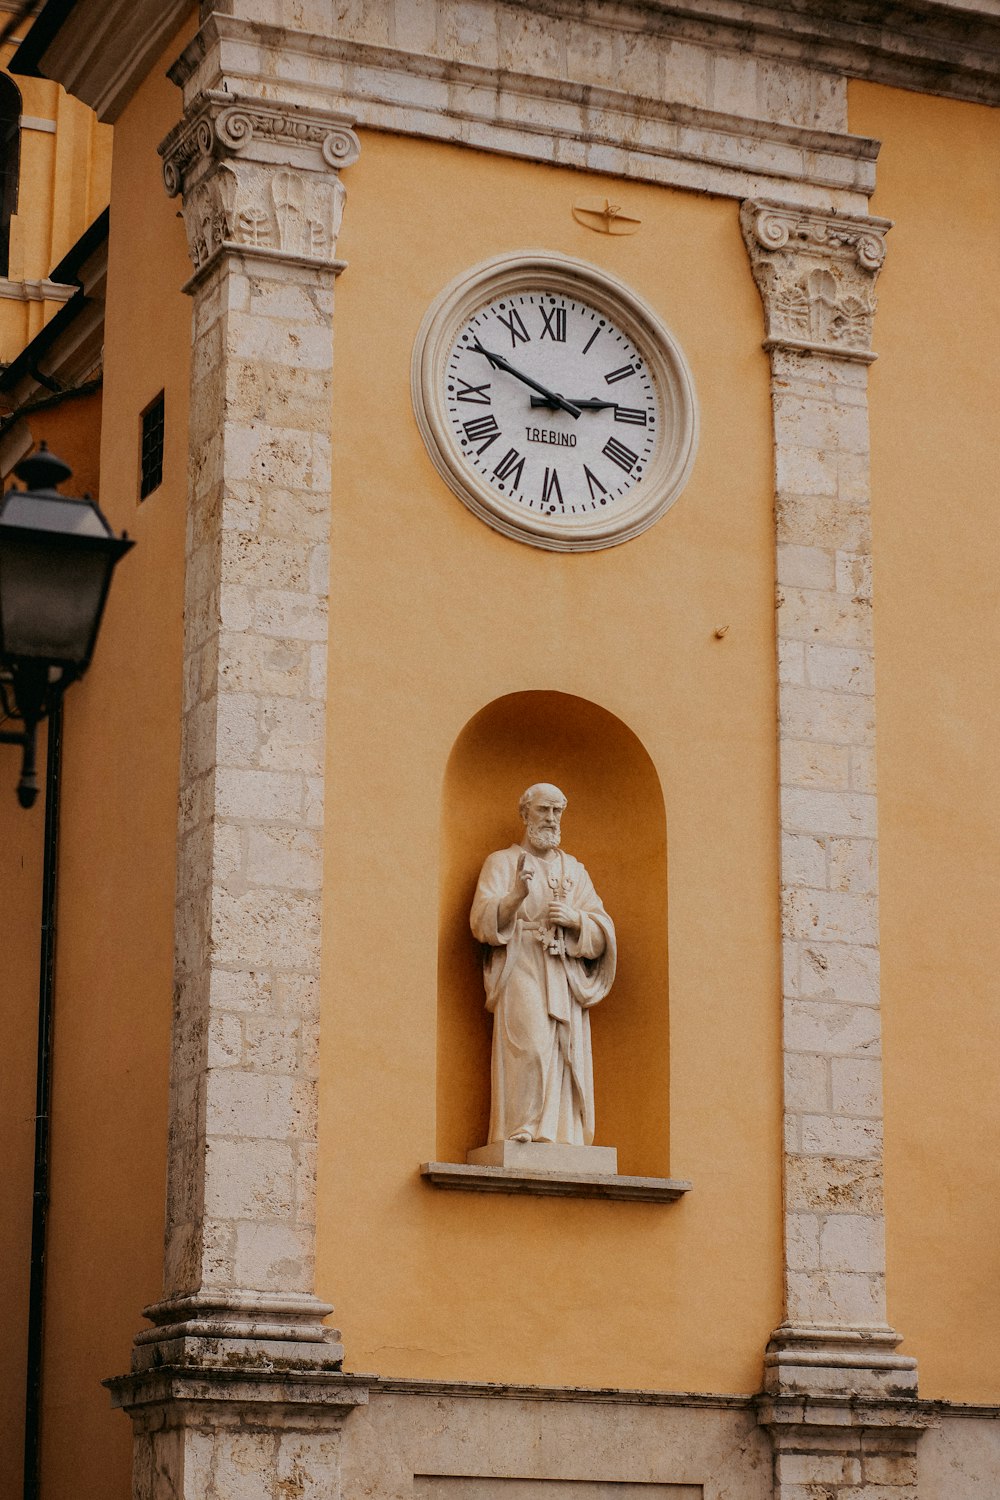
(545, 1156)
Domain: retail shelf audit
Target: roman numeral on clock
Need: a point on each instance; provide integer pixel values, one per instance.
(514, 325)
(476, 394)
(551, 491)
(553, 324)
(623, 373)
(620, 455)
(482, 430)
(594, 484)
(510, 467)
(630, 414)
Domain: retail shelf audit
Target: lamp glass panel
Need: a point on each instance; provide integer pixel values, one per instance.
(50, 599)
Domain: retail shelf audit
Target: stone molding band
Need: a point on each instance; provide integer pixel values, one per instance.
(553, 106)
(35, 291)
(482, 1179)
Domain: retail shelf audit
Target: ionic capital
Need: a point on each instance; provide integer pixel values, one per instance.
(260, 177)
(816, 276)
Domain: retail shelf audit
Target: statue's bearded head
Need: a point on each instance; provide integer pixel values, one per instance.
(541, 807)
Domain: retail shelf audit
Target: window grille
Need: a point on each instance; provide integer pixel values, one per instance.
(151, 454)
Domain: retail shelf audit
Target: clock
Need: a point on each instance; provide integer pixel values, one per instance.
(554, 402)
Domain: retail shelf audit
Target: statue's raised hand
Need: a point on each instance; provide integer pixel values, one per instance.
(509, 905)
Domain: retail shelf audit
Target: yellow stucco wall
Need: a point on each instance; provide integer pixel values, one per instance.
(434, 615)
(937, 637)
(117, 867)
(424, 636)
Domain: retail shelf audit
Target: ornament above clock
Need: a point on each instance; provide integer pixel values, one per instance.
(554, 402)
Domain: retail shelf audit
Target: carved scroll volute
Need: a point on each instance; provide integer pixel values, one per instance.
(816, 277)
(259, 177)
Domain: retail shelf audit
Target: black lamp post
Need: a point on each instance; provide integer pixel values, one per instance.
(57, 555)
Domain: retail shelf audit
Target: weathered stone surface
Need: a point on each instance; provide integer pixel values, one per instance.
(541, 1443)
(262, 200)
(626, 91)
(816, 277)
(237, 1431)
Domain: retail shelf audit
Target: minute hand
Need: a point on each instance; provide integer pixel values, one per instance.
(552, 398)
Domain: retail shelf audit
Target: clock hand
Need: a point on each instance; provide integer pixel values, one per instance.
(552, 398)
(585, 404)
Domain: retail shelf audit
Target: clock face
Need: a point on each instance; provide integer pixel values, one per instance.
(554, 402)
(512, 362)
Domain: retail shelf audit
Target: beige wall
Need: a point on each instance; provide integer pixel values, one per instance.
(404, 1441)
(937, 635)
(434, 615)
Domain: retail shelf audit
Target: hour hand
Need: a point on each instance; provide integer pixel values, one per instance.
(550, 398)
(584, 403)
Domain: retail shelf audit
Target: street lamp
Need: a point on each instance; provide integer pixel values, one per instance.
(57, 554)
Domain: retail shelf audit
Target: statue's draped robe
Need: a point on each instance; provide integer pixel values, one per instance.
(543, 1076)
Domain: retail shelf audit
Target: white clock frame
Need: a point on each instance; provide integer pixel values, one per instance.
(509, 275)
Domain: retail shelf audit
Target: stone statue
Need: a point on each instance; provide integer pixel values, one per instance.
(551, 956)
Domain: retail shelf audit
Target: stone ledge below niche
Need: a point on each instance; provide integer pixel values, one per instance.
(479, 1179)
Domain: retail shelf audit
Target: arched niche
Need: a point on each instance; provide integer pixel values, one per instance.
(614, 823)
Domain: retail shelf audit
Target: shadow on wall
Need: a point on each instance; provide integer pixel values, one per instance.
(615, 824)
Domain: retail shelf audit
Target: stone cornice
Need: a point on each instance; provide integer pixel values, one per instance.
(248, 1385)
(68, 348)
(34, 291)
(540, 112)
(932, 46)
(816, 277)
(100, 50)
(475, 1390)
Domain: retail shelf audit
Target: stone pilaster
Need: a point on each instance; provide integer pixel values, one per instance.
(239, 1368)
(838, 1397)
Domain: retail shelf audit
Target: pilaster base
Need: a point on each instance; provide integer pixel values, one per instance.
(840, 1407)
(239, 1395)
(278, 1330)
(818, 1360)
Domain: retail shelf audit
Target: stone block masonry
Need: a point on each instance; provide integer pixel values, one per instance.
(834, 1348)
(237, 1385)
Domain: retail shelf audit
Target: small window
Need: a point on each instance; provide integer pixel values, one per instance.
(151, 456)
